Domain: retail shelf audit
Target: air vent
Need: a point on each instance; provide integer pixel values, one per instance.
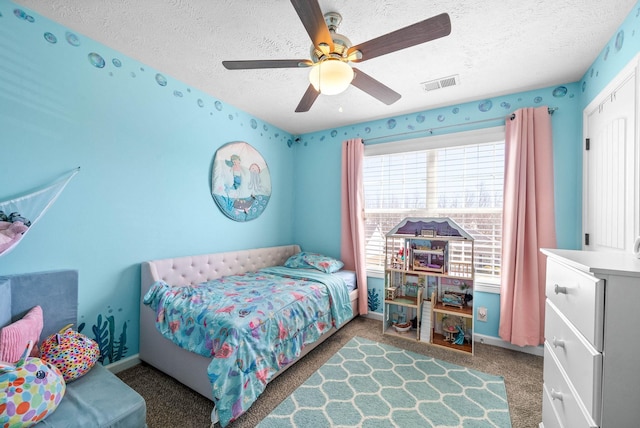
(440, 83)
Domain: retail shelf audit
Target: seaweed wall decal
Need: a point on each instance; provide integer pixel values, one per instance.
(373, 299)
(111, 350)
(119, 347)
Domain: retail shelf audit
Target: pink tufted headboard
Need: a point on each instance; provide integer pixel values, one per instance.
(197, 269)
(187, 367)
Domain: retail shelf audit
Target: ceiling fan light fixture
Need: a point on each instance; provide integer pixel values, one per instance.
(331, 76)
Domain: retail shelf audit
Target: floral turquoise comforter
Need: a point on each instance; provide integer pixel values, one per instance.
(251, 324)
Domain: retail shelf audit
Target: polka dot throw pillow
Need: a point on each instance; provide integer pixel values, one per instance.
(73, 353)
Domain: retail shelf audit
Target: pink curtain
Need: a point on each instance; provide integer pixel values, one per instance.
(528, 224)
(352, 252)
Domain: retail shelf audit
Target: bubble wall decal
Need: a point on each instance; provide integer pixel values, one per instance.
(50, 38)
(505, 105)
(537, 100)
(420, 118)
(485, 106)
(218, 105)
(254, 124)
(391, 123)
(441, 118)
(455, 110)
(177, 94)
(21, 14)
(559, 92)
(96, 60)
(72, 39)
(619, 41)
(161, 80)
(116, 62)
(200, 102)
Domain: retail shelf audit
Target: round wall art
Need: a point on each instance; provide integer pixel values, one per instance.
(240, 181)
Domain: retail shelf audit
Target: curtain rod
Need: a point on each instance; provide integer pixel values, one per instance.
(430, 130)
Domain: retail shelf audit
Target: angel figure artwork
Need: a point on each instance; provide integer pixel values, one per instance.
(241, 183)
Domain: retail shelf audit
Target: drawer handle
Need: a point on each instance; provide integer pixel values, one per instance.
(555, 395)
(558, 343)
(560, 290)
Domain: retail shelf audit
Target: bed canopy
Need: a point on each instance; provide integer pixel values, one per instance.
(19, 215)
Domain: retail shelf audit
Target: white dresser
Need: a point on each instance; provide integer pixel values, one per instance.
(592, 340)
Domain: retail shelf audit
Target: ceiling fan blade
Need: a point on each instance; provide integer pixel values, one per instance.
(421, 32)
(313, 20)
(307, 99)
(374, 88)
(266, 63)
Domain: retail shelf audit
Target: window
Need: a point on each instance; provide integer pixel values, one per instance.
(457, 175)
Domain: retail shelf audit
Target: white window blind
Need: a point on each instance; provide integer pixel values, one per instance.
(463, 181)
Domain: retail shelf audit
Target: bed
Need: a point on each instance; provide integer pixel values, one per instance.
(163, 280)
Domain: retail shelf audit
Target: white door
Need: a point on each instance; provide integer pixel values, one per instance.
(610, 167)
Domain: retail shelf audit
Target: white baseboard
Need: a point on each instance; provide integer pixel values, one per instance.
(496, 341)
(373, 315)
(123, 364)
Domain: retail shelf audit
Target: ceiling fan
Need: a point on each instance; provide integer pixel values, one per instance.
(332, 53)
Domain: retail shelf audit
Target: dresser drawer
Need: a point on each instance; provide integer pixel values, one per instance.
(579, 360)
(579, 297)
(550, 418)
(568, 407)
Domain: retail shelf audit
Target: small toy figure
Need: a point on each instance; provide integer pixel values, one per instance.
(449, 334)
(460, 336)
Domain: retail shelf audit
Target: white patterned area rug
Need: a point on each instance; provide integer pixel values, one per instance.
(373, 385)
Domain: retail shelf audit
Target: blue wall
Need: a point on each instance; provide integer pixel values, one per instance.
(318, 201)
(317, 195)
(145, 143)
(623, 46)
(318, 198)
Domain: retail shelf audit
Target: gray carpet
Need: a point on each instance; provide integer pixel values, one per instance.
(172, 405)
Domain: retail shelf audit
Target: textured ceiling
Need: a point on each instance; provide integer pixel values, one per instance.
(496, 47)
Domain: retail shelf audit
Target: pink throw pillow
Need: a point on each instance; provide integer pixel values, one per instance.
(14, 337)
